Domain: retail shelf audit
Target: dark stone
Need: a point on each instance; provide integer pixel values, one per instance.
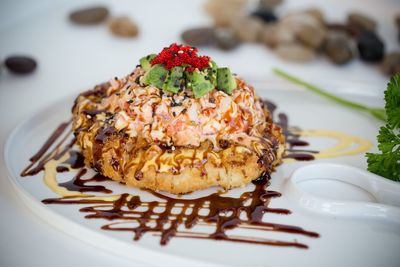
(198, 36)
(337, 47)
(370, 47)
(265, 15)
(391, 64)
(20, 64)
(89, 16)
(226, 39)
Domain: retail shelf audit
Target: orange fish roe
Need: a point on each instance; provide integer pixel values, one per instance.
(181, 56)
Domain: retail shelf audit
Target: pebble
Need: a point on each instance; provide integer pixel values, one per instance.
(20, 64)
(224, 12)
(370, 47)
(123, 27)
(265, 15)
(198, 36)
(269, 4)
(312, 35)
(295, 21)
(391, 64)
(338, 47)
(350, 30)
(274, 34)
(316, 13)
(361, 21)
(226, 39)
(247, 29)
(89, 16)
(295, 52)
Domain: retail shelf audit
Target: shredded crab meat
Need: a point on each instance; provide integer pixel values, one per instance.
(181, 120)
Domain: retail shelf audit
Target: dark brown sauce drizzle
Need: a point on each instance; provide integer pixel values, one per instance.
(222, 212)
(166, 216)
(292, 139)
(77, 183)
(38, 160)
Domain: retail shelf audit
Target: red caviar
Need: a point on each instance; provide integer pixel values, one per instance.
(181, 55)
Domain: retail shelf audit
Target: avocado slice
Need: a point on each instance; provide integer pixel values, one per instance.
(212, 72)
(156, 76)
(174, 80)
(225, 80)
(199, 82)
(145, 61)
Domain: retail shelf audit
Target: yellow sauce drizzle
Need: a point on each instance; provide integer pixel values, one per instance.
(347, 144)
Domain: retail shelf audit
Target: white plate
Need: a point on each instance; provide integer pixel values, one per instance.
(349, 237)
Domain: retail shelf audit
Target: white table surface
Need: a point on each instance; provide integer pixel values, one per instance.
(73, 58)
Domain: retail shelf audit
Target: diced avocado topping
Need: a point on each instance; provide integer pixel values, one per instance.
(174, 80)
(199, 83)
(145, 61)
(225, 80)
(177, 67)
(156, 76)
(212, 72)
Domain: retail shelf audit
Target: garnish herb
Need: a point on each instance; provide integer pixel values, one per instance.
(376, 112)
(387, 162)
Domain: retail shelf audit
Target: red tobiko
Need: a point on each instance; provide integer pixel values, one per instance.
(181, 55)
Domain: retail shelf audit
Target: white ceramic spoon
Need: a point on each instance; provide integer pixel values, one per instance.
(386, 193)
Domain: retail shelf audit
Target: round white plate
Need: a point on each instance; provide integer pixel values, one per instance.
(354, 236)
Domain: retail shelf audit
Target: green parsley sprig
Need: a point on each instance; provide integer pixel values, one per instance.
(387, 162)
(378, 113)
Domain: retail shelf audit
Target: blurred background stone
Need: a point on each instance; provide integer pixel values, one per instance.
(338, 47)
(312, 35)
(247, 29)
(391, 64)
(225, 38)
(224, 12)
(370, 47)
(89, 16)
(269, 4)
(266, 15)
(123, 27)
(361, 21)
(198, 36)
(20, 64)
